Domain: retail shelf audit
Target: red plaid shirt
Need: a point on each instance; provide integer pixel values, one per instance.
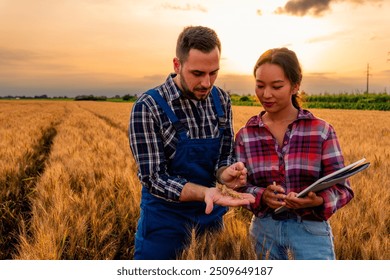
(310, 151)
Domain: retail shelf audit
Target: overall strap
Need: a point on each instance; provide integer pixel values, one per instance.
(218, 108)
(181, 130)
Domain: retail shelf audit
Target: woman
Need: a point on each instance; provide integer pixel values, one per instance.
(286, 149)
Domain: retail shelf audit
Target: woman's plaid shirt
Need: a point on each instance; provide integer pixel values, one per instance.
(310, 150)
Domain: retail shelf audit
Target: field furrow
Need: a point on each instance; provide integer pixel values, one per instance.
(86, 203)
(26, 137)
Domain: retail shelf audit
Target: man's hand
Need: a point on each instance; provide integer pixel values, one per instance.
(214, 196)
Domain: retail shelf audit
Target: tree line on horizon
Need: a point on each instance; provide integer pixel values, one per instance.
(358, 101)
(126, 97)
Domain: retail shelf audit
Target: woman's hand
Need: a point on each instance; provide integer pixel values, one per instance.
(233, 176)
(311, 200)
(274, 196)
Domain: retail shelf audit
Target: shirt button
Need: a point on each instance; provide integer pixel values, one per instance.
(285, 142)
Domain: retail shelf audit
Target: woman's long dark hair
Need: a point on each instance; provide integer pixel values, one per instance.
(288, 61)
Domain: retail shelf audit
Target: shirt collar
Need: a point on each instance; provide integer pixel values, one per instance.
(257, 120)
(172, 91)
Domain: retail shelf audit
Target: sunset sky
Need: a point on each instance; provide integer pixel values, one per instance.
(110, 47)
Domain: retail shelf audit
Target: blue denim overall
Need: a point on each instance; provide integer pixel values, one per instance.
(164, 227)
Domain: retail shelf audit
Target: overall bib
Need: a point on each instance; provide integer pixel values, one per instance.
(164, 227)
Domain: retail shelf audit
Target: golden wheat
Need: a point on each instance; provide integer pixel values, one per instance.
(82, 196)
(24, 132)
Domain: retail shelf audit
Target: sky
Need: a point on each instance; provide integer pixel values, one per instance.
(118, 47)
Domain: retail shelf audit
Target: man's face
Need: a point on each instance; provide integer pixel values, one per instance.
(196, 76)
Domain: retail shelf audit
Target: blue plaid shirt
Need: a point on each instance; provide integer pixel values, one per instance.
(153, 138)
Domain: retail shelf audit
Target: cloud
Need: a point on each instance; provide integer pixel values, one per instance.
(303, 7)
(99, 1)
(184, 8)
(315, 8)
(22, 61)
(241, 84)
(332, 82)
(10, 56)
(73, 84)
(329, 37)
(23, 56)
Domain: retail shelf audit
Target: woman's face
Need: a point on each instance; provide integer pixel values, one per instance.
(273, 89)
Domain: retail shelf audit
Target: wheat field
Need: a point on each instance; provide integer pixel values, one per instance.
(69, 190)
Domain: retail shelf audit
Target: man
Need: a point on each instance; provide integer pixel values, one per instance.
(181, 137)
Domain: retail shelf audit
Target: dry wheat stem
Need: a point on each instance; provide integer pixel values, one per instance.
(228, 192)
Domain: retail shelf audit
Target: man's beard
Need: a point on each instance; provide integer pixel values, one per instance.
(187, 93)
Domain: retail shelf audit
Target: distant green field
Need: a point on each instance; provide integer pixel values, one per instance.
(363, 101)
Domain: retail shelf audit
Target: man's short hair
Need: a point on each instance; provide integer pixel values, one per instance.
(200, 38)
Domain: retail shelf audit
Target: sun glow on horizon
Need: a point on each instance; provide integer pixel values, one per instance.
(250, 32)
(81, 44)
